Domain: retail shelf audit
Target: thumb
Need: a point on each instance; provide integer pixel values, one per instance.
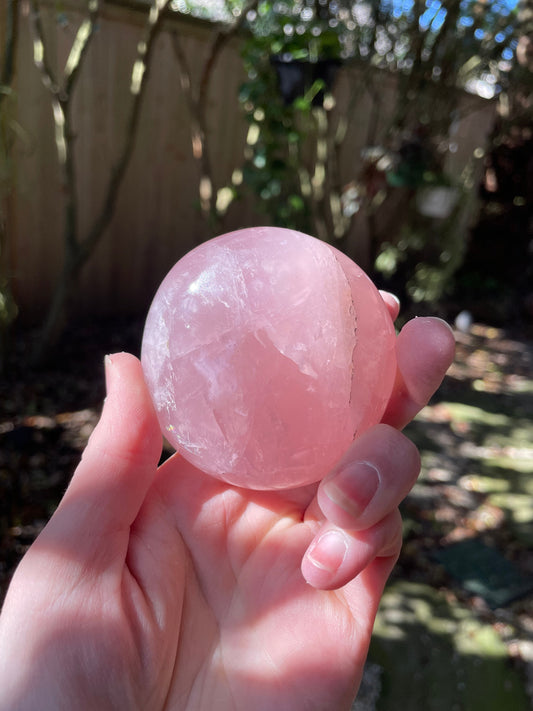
(120, 460)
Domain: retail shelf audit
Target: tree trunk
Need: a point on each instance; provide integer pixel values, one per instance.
(79, 249)
(8, 309)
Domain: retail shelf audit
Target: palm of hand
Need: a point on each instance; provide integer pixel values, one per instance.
(249, 632)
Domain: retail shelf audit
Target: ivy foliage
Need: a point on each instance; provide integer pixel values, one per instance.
(290, 51)
(435, 50)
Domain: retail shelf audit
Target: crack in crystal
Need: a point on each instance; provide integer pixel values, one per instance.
(353, 314)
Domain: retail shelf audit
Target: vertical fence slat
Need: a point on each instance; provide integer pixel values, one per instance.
(157, 218)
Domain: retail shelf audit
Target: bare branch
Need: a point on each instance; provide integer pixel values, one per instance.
(138, 84)
(185, 71)
(79, 48)
(220, 40)
(78, 251)
(197, 101)
(40, 52)
(11, 39)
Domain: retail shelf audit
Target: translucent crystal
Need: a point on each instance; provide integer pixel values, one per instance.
(266, 352)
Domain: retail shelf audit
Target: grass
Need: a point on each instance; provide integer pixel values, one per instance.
(438, 657)
(440, 647)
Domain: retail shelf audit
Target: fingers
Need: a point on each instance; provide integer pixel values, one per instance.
(392, 303)
(337, 555)
(120, 461)
(371, 479)
(359, 501)
(425, 349)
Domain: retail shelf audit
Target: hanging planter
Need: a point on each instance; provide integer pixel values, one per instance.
(437, 201)
(297, 77)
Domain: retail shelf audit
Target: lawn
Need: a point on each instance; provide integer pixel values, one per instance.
(458, 611)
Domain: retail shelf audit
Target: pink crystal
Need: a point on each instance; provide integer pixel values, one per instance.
(266, 352)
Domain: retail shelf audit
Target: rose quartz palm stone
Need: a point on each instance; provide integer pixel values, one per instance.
(266, 353)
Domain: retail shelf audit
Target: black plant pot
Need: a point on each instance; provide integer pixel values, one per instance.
(296, 77)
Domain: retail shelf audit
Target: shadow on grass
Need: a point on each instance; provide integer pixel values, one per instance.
(436, 656)
(444, 651)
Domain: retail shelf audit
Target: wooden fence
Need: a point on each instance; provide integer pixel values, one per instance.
(157, 217)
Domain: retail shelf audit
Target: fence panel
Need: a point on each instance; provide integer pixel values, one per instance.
(157, 218)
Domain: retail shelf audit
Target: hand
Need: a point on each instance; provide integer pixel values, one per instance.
(166, 589)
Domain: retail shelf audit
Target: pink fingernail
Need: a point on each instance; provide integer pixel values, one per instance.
(328, 551)
(396, 299)
(354, 487)
(110, 369)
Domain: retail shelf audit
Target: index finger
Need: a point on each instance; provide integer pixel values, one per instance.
(425, 350)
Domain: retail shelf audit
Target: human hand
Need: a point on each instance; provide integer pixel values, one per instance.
(167, 589)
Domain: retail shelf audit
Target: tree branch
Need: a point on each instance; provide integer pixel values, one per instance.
(77, 252)
(197, 102)
(220, 40)
(11, 40)
(79, 48)
(61, 93)
(139, 78)
(40, 52)
(198, 132)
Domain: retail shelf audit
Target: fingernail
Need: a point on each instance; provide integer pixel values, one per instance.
(353, 488)
(436, 318)
(328, 551)
(396, 299)
(110, 369)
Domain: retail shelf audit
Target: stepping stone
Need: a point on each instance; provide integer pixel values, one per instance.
(482, 570)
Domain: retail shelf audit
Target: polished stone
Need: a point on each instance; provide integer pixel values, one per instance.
(266, 352)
